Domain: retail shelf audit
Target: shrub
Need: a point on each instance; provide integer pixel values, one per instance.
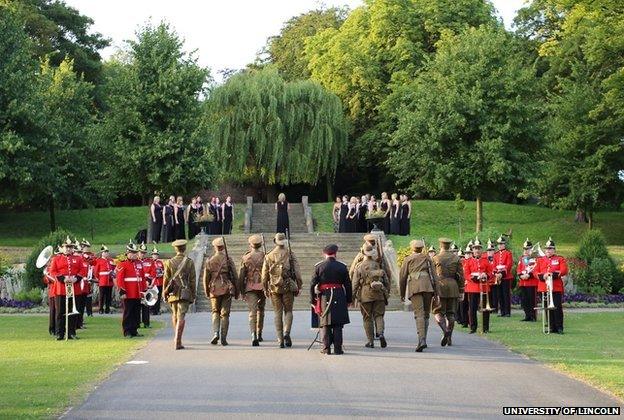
(32, 295)
(33, 275)
(4, 264)
(600, 275)
(592, 245)
(402, 253)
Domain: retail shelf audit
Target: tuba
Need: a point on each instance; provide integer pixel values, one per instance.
(150, 296)
(44, 256)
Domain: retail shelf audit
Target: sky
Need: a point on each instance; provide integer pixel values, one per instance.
(226, 34)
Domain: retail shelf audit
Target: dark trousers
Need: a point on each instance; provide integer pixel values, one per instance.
(145, 315)
(130, 317)
(52, 320)
(156, 307)
(527, 299)
(89, 305)
(106, 296)
(462, 313)
(504, 302)
(473, 310)
(556, 315)
(495, 297)
(59, 309)
(332, 334)
(81, 303)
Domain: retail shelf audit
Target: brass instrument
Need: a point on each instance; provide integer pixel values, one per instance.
(69, 294)
(150, 296)
(483, 295)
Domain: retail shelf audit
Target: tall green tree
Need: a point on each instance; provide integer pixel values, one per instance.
(151, 132)
(276, 132)
(471, 122)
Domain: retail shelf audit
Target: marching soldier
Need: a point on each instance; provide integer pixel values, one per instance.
(477, 272)
(220, 285)
(89, 258)
(503, 262)
(146, 269)
(450, 289)
(332, 288)
(371, 288)
(157, 271)
(130, 283)
(251, 287)
(67, 270)
(103, 272)
(371, 239)
(550, 270)
(281, 280)
(431, 251)
(416, 284)
(179, 288)
(528, 281)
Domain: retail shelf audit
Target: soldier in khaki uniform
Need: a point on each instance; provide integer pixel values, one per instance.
(279, 284)
(371, 287)
(416, 284)
(450, 285)
(179, 288)
(220, 285)
(369, 238)
(250, 286)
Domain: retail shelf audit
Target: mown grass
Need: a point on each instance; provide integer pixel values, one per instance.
(432, 219)
(114, 225)
(592, 348)
(41, 377)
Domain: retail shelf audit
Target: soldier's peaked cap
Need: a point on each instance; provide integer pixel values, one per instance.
(279, 239)
(330, 249)
(417, 243)
(369, 237)
(178, 243)
(445, 240)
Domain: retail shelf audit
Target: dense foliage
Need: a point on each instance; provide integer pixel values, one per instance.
(33, 277)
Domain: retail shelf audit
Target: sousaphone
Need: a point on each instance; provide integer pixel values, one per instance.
(44, 256)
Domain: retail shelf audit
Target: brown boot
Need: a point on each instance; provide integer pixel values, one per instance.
(179, 332)
(451, 325)
(441, 321)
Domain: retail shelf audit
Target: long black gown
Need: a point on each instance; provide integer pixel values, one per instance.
(405, 220)
(193, 229)
(352, 223)
(395, 222)
(218, 223)
(227, 220)
(180, 232)
(386, 222)
(168, 232)
(282, 217)
(362, 222)
(342, 218)
(212, 226)
(156, 226)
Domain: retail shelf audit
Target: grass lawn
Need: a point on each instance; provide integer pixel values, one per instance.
(432, 219)
(592, 348)
(41, 377)
(114, 225)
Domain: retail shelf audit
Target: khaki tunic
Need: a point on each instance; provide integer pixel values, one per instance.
(276, 271)
(364, 274)
(219, 280)
(414, 276)
(361, 257)
(448, 269)
(186, 277)
(249, 277)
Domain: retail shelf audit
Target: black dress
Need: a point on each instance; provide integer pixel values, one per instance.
(352, 220)
(212, 226)
(405, 220)
(386, 222)
(227, 220)
(168, 232)
(218, 223)
(362, 222)
(282, 217)
(395, 222)
(179, 229)
(156, 226)
(193, 229)
(342, 218)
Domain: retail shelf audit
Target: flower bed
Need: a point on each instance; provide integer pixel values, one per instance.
(12, 303)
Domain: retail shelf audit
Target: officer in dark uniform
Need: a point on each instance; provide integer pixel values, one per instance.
(331, 294)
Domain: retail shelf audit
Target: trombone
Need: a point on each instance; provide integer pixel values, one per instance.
(547, 303)
(483, 295)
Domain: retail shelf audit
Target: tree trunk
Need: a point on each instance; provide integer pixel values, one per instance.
(590, 219)
(271, 193)
(580, 216)
(330, 189)
(52, 214)
(479, 226)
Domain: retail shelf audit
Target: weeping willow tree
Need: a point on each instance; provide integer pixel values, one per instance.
(270, 131)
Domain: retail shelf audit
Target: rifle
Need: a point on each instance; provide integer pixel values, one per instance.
(382, 266)
(263, 244)
(291, 269)
(230, 272)
(435, 297)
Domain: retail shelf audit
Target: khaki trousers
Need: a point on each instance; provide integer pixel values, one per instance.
(256, 301)
(422, 305)
(283, 307)
(373, 316)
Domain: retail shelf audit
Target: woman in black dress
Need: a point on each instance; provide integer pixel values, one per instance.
(342, 218)
(385, 206)
(363, 209)
(212, 210)
(406, 213)
(336, 214)
(194, 210)
(282, 208)
(395, 217)
(168, 232)
(218, 224)
(178, 215)
(156, 219)
(352, 216)
(227, 215)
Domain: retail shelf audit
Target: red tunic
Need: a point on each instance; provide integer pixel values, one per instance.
(480, 266)
(102, 270)
(503, 263)
(527, 265)
(49, 281)
(157, 270)
(66, 265)
(130, 278)
(555, 264)
(84, 288)
(146, 265)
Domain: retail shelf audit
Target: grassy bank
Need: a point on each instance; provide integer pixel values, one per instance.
(591, 348)
(42, 376)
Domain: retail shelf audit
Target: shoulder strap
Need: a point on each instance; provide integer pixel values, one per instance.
(179, 270)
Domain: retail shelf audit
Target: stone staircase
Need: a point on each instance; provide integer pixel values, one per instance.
(264, 218)
(307, 248)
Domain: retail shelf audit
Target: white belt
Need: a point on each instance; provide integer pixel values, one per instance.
(132, 279)
(104, 272)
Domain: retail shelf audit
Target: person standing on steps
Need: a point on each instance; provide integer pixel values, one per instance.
(227, 215)
(282, 207)
(330, 291)
(384, 205)
(416, 284)
(156, 219)
(250, 286)
(168, 227)
(220, 284)
(406, 214)
(178, 215)
(281, 280)
(450, 289)
(336, 214)
(194, 210)
(342, 215)
(179, 288)
(371, 287)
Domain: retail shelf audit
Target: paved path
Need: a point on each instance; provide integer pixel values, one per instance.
(239, 381)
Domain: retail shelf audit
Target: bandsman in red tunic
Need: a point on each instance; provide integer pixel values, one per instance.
(465, 256)
(503, 264)
(477, 274)
(552, 267)
(146, 268)
(157, 272)
(493, 280)
(48, 280)
(89, 258)
(528, 281)
(129, 279)
(103, 271)
(67, 270)
(80, 287)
